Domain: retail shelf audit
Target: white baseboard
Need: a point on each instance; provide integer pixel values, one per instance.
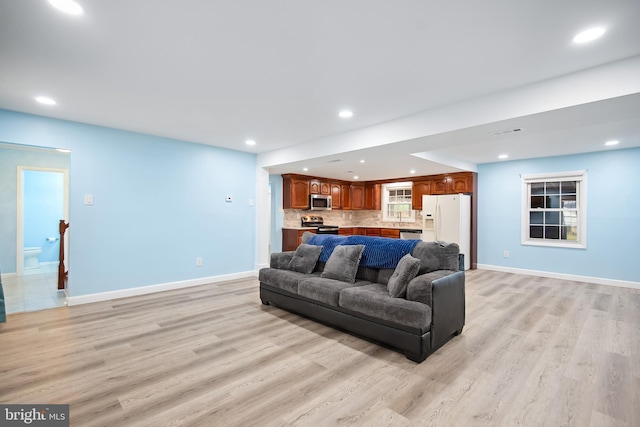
(562, 276)
(5, 276)
(142, 290)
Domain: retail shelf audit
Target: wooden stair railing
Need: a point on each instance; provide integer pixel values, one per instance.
(62, 274)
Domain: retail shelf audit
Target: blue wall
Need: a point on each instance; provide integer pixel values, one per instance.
(10, 158)
(43, 204)
(613, 216)
(158, 204)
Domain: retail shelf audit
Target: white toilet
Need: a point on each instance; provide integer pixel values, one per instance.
(31, 260)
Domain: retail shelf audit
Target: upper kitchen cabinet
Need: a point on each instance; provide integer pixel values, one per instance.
(357, 196)
(319, 187)
(345, 196)
(295, 192)
(373, 197)
(419, 189)
(336, 192)
(452, 183)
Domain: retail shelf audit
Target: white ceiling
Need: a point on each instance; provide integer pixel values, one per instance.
(278, 72)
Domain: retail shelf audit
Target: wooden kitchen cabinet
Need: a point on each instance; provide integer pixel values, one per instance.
(345, 195)
(419, 189)
(345, 231)
(314, 186)
(452, 183)
(461, 183)
(372, 231)
(373, 197)
(319, 187)
(336, 193)
(295, 192)
(291, 239)
(357, 196)
(392, 233)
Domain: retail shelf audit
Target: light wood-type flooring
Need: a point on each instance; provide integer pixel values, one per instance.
(534, 352)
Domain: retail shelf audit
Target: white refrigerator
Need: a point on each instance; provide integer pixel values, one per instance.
(447, 218)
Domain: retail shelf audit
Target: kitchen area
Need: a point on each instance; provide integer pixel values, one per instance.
(327, 206)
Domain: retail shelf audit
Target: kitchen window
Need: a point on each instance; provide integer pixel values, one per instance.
(554, 209)
(396, 202)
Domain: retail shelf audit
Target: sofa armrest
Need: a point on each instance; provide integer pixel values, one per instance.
(420, 287)
(280, 260)
(447, 308)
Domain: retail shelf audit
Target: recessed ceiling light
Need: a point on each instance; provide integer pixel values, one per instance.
(250, 142)
(588, 35)
(355, 177)
(305, 169)
(345, 114)
(612, 142)
(67, 6)
(362, 161)
(412, 171)
(503, 156)
(46, 100)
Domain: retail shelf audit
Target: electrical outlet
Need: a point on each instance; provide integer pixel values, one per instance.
(505, 254)
(199, 262)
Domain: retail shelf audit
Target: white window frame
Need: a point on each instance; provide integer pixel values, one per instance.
(581, 207)
(385, 202)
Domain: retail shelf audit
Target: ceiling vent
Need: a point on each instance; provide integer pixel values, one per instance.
(506, 131)
(334, 161)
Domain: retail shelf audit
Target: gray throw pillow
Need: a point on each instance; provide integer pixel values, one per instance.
(343, 263)
(406, 270)
(305, 258)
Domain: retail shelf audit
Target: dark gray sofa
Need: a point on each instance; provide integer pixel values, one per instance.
(430, 313)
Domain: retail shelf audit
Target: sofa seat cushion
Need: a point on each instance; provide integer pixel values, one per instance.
(325, 290)
(374, 301)
(283, 279)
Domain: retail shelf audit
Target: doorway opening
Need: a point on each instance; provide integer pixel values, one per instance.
(42, 201)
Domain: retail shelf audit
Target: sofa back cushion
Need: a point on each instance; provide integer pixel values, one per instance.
(304, 259)
(436, 256)
(343, 263)
(405, 271)
(369, 274)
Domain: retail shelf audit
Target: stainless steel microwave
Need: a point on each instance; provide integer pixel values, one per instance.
(319, 202)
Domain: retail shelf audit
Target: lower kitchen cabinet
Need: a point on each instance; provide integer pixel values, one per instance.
(372, 231)
(392, 233)
(291, 239)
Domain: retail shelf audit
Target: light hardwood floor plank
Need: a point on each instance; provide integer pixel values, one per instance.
(534, 351)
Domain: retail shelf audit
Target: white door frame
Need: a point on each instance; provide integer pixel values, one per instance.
(20, 212)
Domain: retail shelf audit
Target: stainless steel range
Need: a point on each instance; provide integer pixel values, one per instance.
(318, 222)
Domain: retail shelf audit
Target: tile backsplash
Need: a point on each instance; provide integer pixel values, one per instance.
(346, 218)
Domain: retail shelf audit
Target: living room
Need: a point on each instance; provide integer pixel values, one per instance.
(160, 201)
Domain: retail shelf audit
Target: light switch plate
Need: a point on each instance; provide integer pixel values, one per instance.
(88, 199)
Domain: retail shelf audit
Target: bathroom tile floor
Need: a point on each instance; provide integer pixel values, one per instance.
(32, 292)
